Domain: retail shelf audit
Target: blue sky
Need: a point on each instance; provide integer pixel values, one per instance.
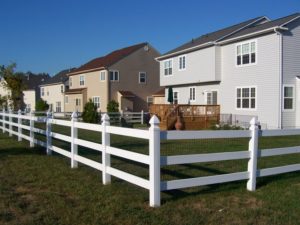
(48, 36)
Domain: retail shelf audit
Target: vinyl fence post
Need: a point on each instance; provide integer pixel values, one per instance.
(31, 121)
(74, 135)
(154, 167)
(10, 121)
(142, 117)
(19, 125)
(3, 121)
(106, 178)
(253, 149)
(48, 132)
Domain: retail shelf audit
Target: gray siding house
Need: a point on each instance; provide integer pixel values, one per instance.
(252, 68)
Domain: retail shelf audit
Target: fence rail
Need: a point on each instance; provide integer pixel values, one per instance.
(154, 159)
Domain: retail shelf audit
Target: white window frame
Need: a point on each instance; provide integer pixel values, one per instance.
(102, 76)
(179, 58)
(256, 98)
(114, 75)
(211, 92)
(171, 67)
(42, 92)
(58, 106)
(194, 94)
(293, 97)
(62, 88)
(77, 100)
(67, 99)
(141, 73)
(96, 103)
(70, 81)
(176, 98)
(83, 80)
(236, 53)
(150, 99)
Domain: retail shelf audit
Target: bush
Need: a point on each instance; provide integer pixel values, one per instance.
(41, 105)
(90, 114)
(112, 106)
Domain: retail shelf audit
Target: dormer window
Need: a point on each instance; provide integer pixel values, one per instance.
(246, 53)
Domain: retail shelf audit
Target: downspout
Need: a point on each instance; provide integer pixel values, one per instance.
(280, 79)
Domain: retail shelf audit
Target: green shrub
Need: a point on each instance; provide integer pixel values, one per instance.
(112, 106)
(90, 114)
(41, 105)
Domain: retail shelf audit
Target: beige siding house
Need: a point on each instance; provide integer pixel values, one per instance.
(127, 75)
(4, 92)
(53, 91)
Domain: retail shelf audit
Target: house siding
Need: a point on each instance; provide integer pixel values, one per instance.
(291, 69)
(129, 68)
(55, 95)
(200, 67)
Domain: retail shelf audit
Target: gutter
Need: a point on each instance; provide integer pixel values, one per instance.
(280, 79)
(85, 71)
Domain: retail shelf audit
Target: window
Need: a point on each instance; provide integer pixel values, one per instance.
(212, 98)
(62, 88)
(81, 80)
(102, 75)
(192, 94)
(288, 97)
(149, 99)
(142, 78)
(67, 99)
(175, 97)
(181, 62)
(28, 108)
(58, 107)
(96, 101)
(77, 102)
(168, 64)
(70, 81)
(246, 53)
(114, 75)
(47, 92)
(246, 98)
(42, 91)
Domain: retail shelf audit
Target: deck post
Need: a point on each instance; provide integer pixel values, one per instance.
(142, 117)
(154, 166)
(3, 121)
(31, 132)
(253, 150)
(74, 135)
(19, 125)
(10, 122)
(48, 132)
(106, 178)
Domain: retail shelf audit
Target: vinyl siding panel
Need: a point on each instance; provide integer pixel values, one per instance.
(200, 67)
(291, 69)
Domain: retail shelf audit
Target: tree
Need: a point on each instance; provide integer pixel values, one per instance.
(112, 106)
(13, 82)
(90, 114)
(3, 102)
(41, 105)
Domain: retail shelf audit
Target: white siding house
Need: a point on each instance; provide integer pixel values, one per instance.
(250, 68)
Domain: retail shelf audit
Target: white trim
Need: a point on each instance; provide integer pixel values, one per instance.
(294, 96)
(256, 53)
(83, 75)
(192, 100)
(177, 96)
(93, 97)
(100, 76)
(210, 91)
(140, 77)
(290, 21)
(182, 56)
(168, 67)
(256, 98)
(114, 80)
(66, 97)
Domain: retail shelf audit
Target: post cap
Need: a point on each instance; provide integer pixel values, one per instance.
(105, 117)
(74, 114)
(19, 111)
(154, 120)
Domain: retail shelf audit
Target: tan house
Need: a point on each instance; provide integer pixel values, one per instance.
(53, 91)
(127, 75)
(4, 92)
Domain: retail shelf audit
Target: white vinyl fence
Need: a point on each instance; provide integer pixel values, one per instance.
(155, 185)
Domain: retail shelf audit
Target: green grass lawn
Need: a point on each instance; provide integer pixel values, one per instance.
(40, 189)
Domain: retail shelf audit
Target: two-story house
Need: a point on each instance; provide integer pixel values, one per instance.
(251, 68)
(53, 90)
(129, 76)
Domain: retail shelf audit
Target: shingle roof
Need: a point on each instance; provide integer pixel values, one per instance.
(75, 91)
(210, 37)
(60, 77)
(273, 23)
(108, 60)
(161, 92)
(235, 31)
(127, 94)
(32, 81)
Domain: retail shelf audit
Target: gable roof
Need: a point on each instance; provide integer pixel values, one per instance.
(108, 60)
(252, 26)
(60, 77)
(214, 36)
(32, 81)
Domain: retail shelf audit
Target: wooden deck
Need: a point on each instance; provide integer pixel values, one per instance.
(193, 117)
